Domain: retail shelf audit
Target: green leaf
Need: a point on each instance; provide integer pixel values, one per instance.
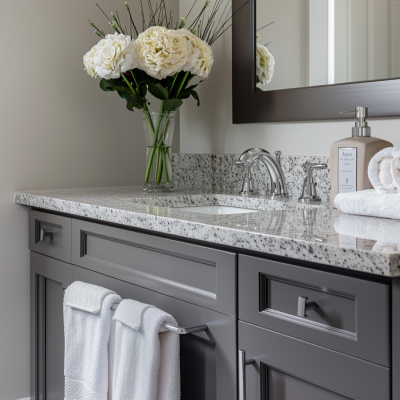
(129, 107)
(143, 90)
(132, 100)
(195, 96)
(259, 89)
(190, 88)
(172, 105)
(158, 91)
(112, 85)
(184, 95)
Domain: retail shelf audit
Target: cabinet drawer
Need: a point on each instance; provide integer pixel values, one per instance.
(291, 369)
(351, 315)
(57, 241)
(199, 275)
(208, 359)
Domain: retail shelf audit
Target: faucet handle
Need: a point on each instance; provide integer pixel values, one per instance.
(309, 167)
(309, 194)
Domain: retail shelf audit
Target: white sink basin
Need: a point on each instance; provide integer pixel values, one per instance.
(216, 210)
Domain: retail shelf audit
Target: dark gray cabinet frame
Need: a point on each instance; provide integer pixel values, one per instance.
(46, 268)
(346, 376)
(372, 308)
(301, 104)
(42, 269)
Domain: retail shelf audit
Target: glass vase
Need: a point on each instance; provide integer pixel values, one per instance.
(159, 129)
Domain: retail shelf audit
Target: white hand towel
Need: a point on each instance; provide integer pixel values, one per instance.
(369, 203)
(146, 357)
(87, 325)
(384, 170)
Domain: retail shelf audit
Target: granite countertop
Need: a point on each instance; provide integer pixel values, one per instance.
(283, 228)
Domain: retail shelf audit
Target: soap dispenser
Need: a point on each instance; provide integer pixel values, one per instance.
(349, 158)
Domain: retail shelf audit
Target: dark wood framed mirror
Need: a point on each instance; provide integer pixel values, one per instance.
(313, 102)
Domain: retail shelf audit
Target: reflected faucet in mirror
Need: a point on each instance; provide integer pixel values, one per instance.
(252, 157)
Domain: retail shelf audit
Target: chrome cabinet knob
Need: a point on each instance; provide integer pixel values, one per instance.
(303, 306)
(44, 235)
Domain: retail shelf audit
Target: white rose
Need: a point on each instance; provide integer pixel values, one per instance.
(162, 52)
(111, 56)
(201, 58)
(265, 64)
(88, 62)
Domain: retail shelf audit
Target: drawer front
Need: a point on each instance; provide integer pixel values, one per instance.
(202, 276)
(291, 369)
(50, 235)
(208, 359)
(350, 315)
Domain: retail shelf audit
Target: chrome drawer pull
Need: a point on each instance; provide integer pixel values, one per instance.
(44, 235)
(242, 373)
(303, 306)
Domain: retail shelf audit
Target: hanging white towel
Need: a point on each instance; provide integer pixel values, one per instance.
(369, 203)
(87, 325)
(384, 171)
(146, 358)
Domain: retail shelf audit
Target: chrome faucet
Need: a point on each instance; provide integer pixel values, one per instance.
(250, 158)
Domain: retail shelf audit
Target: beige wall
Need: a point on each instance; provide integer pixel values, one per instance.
(209, 128)
(58, 130)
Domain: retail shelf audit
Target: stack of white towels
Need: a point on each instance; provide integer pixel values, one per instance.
(117, 349)
(382, 201)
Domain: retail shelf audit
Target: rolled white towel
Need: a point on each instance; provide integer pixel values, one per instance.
(384, 170)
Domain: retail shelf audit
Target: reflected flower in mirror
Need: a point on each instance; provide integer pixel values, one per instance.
(265, 65)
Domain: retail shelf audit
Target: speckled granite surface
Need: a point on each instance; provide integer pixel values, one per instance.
(286, 229)
(218, 172)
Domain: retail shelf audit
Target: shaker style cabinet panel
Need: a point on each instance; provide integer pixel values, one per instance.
(341, 313)
(50, 235)
(285, 368)
(48, 279)
(208, 359)
(196, 274)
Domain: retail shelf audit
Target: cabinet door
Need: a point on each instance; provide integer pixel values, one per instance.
(48, 279)
(285, 368)
(208, 359)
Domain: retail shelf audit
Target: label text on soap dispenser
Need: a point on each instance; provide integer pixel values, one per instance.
(347, 169)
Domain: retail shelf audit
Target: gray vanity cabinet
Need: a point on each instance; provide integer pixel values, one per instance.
(283, 368)
(114, 258)
(276, 331)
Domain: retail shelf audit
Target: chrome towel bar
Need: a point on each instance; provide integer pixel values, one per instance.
(180, 330)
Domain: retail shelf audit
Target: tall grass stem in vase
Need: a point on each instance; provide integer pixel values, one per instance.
(159, 130)
(166, 59)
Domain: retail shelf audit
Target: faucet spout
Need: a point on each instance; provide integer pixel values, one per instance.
(252, 156)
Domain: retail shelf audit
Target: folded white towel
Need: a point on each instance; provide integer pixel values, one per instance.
(378, 229)
(87, 325)
(384, 170)
(146, 363)
(369, 203)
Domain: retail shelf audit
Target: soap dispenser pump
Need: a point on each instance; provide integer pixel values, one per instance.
(349, 158)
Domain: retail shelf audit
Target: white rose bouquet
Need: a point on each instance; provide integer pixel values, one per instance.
(162, 60)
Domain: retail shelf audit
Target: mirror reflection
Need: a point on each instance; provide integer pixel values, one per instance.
(304, 43)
